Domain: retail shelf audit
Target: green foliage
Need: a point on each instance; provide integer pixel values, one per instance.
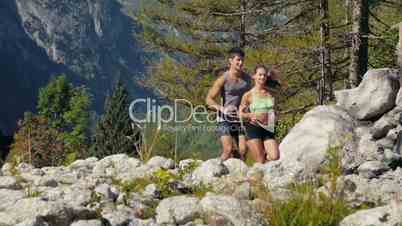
(67, 109)
(54, 101)
(114, 132)
(164, 180)
(333, 167)
(37, 143)
(306, 207)
(30, 192)
(59, 133)
(382, 46)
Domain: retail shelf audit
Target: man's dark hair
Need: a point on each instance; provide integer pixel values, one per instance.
(236, 51)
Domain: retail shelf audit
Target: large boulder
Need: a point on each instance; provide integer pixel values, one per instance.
(374, 96)
(389, 215)
(304, 150)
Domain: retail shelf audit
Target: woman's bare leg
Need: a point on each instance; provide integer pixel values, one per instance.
(256, 148)
(271, 148)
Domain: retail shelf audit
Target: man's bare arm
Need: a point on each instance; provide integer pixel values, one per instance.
(213, 93)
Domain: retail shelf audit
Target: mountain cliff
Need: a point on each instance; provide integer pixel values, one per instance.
(91, 41)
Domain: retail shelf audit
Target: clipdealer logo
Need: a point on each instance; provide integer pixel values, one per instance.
(161, 114)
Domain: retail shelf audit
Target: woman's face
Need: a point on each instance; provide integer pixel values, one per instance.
(260, 76)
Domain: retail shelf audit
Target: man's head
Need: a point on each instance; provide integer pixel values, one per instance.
(236, 57)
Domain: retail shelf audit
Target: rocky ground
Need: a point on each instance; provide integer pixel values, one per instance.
(361, 130)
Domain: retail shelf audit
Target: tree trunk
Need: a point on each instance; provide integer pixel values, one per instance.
(326, 87)
(359, 36)
(399, 48)
(243, 24)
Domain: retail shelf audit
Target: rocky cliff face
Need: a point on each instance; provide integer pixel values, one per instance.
(89, 40)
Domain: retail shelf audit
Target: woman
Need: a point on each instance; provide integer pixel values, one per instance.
(259, 119)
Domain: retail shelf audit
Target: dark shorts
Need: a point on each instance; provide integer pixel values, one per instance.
(226, 128)
(257, 132)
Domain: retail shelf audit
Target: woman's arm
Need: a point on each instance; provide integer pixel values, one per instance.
(245, 103)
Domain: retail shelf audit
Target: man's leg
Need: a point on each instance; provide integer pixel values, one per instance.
(242, 147)
(227, 147)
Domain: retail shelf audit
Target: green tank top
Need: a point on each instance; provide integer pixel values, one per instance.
(264, 104)
(261, 104)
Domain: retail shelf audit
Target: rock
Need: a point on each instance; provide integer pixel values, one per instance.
(304, 149)
(77, 196)
(140, 222)
(208, 172)
(139, 172)
(236, 167)
(376, 191)
(6, 169)
(8, 182)
(389, 215)
(186, 163)
(87, 223)
(372, 169)
(385, 143)
(107, 191)
(177, 210)
(398, 101)
(45, 181)
(120, 216)
(383, 125)
(238, 213)
(196, 224)
(152, 191)
(9, 198)
(392, 159)
(38, 221)
(85, 164)
(115, 165)
(374, 96)
(161, 162)
(360, 150)
(55, 213)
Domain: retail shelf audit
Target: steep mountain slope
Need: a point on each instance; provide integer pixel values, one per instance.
(89, 40)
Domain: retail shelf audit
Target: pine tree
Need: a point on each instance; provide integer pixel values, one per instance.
(114, 127)
(37, 143)
(67, 109)
(194, 37)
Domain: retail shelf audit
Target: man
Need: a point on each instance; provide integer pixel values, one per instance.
(230, 86)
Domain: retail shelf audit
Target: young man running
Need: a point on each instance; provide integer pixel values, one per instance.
(230, 86)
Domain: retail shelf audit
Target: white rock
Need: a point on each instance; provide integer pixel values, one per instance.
(208, 172)
(305, 148)
(372, 169)
(238, 213)
(87, 223)
(389, 215)
(177, 210)
(115, 165)
(374, 96)
(8, 182)
(161, 162)
(236, 167)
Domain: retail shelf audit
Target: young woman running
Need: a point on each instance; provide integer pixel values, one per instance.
(257, 109)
